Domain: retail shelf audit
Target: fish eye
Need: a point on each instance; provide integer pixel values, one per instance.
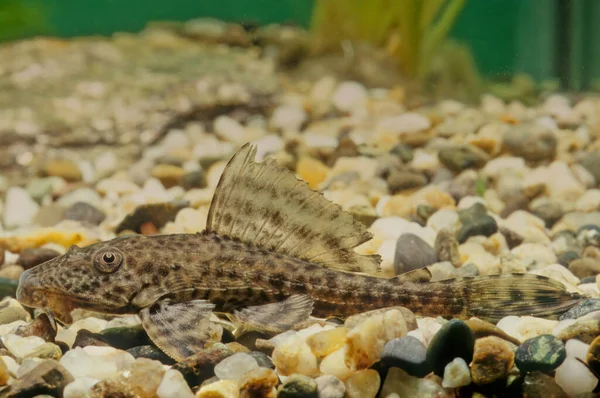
(107, 260)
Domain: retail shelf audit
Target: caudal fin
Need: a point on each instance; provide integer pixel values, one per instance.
(495, 297)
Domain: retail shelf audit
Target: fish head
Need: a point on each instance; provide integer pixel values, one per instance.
(101, 277)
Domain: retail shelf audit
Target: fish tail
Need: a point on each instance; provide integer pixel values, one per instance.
(494, 297)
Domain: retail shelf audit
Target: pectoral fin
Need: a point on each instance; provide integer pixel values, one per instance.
(181, 329)
(274, 317)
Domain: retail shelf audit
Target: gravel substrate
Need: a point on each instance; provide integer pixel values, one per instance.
(463, 190)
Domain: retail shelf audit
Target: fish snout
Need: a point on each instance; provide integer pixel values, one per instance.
(29, 290)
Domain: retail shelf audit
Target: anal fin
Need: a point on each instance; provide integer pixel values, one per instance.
(181, 329)
(274, 317)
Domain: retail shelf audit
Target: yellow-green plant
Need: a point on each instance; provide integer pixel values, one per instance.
(18, 18)
(412, 30)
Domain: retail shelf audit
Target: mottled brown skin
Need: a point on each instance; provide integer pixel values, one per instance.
(229, 274)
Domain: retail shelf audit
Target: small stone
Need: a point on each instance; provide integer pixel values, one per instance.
(19, 209)
(46, 351)
(330, 387)
(235, 366)
(365, 342)
(403, 152)
(91, 323)
(158, 214)
(85, 213)
(62, 168)
(584, 267)
(533, 142)
(349, 96)
(325, 342)
(543, 353)
(585, 331)
(475, 221)
(97, 362)
(565, 258)
(126, 337)
(446, 248)
(575, 378)
(583, 308)
(492, 359)
(456, 374)
(311, 170)
(364, 383)
(593, 355)
(334, 364)
(12, 272)
(111, 388)
(399, 384)
(86, 338)
(294, 356)
(412, 253)
(11, 311)
(399, 180)
(39, 188)
(151, 352)
(288, 118)
(591, 162)
(48, 377)
(79, 388)
(21, 346)
(193, 179)
(463, 157)
(259, 382)
(298, 386)
(145, 377)
(229, 129)
(200, 367)
(32, 256)
(540, 385)
(173, 385)
(41, 326)
(4, 374)
(219, 389)
(408, 354)
(168, 174)
(455, 339)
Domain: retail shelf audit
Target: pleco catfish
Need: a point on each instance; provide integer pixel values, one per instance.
(274, 252)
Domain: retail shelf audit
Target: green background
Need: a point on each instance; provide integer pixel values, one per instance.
(506, 36)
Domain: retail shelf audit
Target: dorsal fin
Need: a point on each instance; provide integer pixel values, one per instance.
(265, 205)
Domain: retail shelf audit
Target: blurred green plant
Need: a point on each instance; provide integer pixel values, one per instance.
(19, 19)
(412, 30)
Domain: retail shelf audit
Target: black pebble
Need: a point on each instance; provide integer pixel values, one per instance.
(151, 352)
(408, 354)
(455, 339)
(84, 212)
(543, 353)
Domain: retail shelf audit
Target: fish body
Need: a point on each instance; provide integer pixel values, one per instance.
(274, 252)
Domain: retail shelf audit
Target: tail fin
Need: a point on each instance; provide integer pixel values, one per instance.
(494, 297)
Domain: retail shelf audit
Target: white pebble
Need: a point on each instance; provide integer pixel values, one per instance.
(456, 374)
(235, 366)
(94, 325)
(79, 388)
(11, 364)
(173, 385)
(288, 118)
(19, 209)
(406, 123)
(21, 346)
(27, 365)
(86, 195)
(229, 129)
(96, 362)
(349, 96)
(577, 349)
(575, 378)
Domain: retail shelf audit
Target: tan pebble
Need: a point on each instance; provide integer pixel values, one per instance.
(260, 382)
(169, 175)
(333, 364)
(492, 359)
(145, 377)
(46, 351)
(312, 171)
(585, 331)
(237, 347)
(219, 389)
(363, 384)
(12, 272)
(295, 356)
(327, 341)
(62, 168)
(4, 374)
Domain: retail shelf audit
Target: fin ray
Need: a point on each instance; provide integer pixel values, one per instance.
(265, 205)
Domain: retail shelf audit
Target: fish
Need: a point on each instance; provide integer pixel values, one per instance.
(274, 254)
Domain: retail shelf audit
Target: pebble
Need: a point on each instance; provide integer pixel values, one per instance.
(492, 360)
(30, 257)
(454, 339)
(294, 356)
(145, 376)
(200, 367)
(4, 373)
(585, 307)
(543, 353)
(408, 354)
(585, 331)
(575, 378)
(46, 351)
(96, 362)
(592, 357)
(463, 157)
(584, 267)
(151, 352)
(21, 346)
(412, 253)
(475, 221)
(84, 212)
(288, 118)
(540, 385)
(456, 374)
(400, 384)
(399, 180)
(111, 388)
(219, 389)
(260, 382)
(79, 388)
(298, 386)
(364, 383)
(235, 366)
(19, 208)
(11, 311)
(365, 342)
(325, 342)
(532, 142)
(48, 377)
(329, 386)
(173, 385)
(62, 168)
(349, 96)
(446, 248)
